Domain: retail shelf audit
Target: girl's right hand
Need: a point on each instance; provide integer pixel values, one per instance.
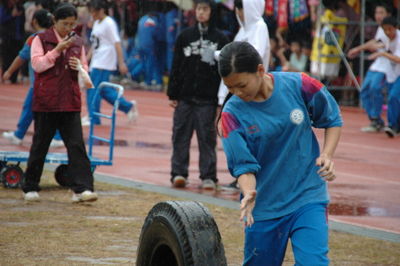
(7, 75)
(64, 44)
(247, 206)
(173, 103)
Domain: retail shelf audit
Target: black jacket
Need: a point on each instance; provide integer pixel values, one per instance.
(194, 75)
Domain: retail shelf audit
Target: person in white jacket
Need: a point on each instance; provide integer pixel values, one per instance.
(253, 30)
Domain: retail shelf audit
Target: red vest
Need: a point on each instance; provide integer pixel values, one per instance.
(57, 88)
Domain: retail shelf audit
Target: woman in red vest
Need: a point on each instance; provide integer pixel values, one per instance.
(55, 56)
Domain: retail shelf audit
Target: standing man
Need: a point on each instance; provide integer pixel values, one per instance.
(192, 90)
(374, 82)
(106, 54)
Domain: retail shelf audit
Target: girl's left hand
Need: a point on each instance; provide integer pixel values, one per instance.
(74, 63)
(123, 69)
(326, 171)
(247, 206)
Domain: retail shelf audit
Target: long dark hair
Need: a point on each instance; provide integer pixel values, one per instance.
(237, 57)
(44, 18)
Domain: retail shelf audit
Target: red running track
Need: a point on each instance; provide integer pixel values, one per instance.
(366, 191)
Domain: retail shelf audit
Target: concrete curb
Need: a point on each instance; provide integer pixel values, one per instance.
(335, 226)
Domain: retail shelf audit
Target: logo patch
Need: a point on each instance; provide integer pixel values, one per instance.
(297, 116)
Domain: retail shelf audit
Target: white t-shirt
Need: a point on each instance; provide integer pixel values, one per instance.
(103, 38)
(394, 68)
(381, 64)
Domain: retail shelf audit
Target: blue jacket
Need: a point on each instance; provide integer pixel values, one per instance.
(275, 141)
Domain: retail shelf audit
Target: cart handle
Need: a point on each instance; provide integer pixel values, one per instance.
(112, 117)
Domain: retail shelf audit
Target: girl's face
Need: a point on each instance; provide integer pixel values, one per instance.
(65, 26)
(203, 12)
(295, 47)
(390, 31)
(245, 85)
(380, 14)
(97, 13)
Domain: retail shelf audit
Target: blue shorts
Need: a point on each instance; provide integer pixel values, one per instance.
(307, 228)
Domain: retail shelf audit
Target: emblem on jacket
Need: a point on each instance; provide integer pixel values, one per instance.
(297, 116)
(205, 48)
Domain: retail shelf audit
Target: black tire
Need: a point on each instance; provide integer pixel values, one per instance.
(177, 233)
(61, 175)
(11, 176)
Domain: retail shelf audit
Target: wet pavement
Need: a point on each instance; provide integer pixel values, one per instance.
(365, 193)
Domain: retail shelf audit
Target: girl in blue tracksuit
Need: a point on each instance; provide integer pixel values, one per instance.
(148, 31)
(270, 146)
(41, 20)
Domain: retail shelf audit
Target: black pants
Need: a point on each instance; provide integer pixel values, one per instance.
(69, 125)
(190, 117)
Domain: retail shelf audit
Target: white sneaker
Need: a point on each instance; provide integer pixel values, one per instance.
(86, 195)
(391, 132)
(85, 121)
(179, 181)
(208, 184)
(56, 143)
(10, 135)
(370, 129)
(31, 196)
(133, 113)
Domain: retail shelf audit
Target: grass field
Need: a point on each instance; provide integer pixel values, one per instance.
(56, 232)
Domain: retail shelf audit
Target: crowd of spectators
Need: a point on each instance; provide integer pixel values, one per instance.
(149, 28)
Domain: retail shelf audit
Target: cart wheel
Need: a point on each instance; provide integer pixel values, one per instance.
(11, 176)
(178, 234)
(61, 175)
(2, 164)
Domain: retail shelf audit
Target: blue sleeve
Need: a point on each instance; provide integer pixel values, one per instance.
(239, 158)
(322, 107)
(25, 52)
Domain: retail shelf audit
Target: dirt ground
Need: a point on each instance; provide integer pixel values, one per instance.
(56, 232)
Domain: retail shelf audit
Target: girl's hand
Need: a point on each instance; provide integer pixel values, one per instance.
(64, 44)
(123, 69)
(173, 103)
(376, 45)
(7, 75)
(327, 167)
(75, 63)
(247, 206)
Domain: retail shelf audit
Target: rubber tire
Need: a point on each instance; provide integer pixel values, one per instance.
(61, 176)
(11, 176)
(180, 233)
